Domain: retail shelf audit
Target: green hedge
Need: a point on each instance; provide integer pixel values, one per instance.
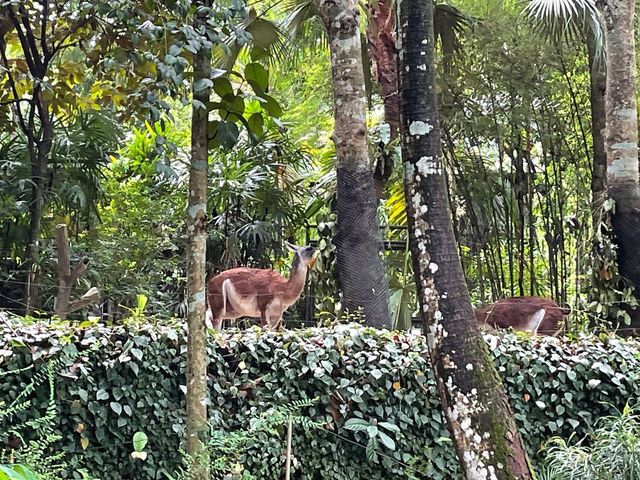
(133, 379)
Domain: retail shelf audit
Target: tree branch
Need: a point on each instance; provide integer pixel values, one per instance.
(91, 297)
(78, 270)
(12, 85)
(81, 23)
(14, 101)
(43, 29)
(31, 39)
(23, 41)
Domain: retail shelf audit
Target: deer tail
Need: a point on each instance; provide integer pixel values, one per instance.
(536, 319)
(225, 285)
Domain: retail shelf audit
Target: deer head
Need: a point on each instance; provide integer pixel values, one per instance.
(258, 293)
(539, 316)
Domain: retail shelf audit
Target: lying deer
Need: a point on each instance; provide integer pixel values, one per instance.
(258, 293)
(531, 314)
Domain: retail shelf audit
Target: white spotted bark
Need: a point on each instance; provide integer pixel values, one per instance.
(475, 404)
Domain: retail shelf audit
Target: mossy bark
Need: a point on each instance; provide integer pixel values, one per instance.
(480, 420)
(197, 392)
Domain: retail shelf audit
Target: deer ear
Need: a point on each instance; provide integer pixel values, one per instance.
(291, 246)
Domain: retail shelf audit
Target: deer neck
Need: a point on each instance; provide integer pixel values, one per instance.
(297, 277)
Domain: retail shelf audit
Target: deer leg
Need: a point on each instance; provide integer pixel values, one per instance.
(276, 311)
(264, 317)
(208, 319)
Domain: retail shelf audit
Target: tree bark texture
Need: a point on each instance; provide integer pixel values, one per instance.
(480, 420)
(361, 272)
(382, 49)
(67, 277)
(598, 86)
(621, 142)
(39, 151)
(197, 398)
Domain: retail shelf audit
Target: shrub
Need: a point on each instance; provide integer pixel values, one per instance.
(134, 381)
(611, 451)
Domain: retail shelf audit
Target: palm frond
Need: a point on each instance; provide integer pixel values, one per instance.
(568, 20)
(268, 40)
(449, 25)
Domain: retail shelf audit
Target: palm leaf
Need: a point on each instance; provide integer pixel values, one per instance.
(266, 36)
(568, 19)
(449, 25)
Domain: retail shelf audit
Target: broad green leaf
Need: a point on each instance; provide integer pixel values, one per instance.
(258, 77)
(222, 86)
(272, 107)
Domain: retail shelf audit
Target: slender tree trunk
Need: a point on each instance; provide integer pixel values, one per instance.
(479, 417)
(621, 143)
(39, 161)
(382, 48)
(598, 79)
(361, 272)
(197, 398)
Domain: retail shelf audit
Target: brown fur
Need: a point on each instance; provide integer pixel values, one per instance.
(258, 293)
(515, 312)
(248, 281)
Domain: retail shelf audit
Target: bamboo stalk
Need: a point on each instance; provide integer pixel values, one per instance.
(287, 473)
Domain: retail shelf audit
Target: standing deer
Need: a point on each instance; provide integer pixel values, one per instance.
(258, 293)
(532, 314)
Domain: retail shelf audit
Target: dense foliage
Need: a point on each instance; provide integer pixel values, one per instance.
(516, 140)
(134, 381)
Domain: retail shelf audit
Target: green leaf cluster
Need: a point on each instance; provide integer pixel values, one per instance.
(133, 380)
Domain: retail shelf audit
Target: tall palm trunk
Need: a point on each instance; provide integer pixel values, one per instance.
(621, 144)
(485, 435)
(361, 272)
(196, 256)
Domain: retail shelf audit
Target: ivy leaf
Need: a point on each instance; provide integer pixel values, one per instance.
(390, 427)
(116, 407)
(140, 440)
(387, 441)
(136, 352)
(356, 424)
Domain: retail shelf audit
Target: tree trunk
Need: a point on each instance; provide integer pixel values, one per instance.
(197, 398)
(621, 143)
(361, 272)
(39, 161)
(382, 48)
(484, 432)
(598, 80)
